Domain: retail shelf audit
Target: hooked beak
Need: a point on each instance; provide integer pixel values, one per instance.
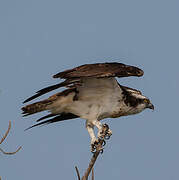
(150, 106)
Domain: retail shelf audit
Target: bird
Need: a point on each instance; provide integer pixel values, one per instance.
(92, 93)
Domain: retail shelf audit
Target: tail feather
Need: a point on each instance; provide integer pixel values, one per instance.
(45, 104)
(62, 117)
(45, 117)
(36, 107)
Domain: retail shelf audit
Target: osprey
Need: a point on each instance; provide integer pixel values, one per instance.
(93, 94)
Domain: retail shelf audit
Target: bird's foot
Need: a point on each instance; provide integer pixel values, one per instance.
(97, 145)
(105, 132)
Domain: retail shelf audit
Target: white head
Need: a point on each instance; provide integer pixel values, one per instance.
(135, 101)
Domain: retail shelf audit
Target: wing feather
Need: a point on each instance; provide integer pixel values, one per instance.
(50, 88)
(100, 70)
(62, 117)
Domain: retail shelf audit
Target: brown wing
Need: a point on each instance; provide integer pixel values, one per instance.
(42, 105)
(50, 88)
(100, 70)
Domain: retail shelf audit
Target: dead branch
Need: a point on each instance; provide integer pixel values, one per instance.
(10, 153)
(2, 140)
(92, 178)
(99, 149)
(7, 132)
(90, 166)
(77, 171)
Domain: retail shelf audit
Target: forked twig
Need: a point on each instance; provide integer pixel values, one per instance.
(2, 140)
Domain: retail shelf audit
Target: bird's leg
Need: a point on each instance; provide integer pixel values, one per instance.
(101, 134)
(94, 141)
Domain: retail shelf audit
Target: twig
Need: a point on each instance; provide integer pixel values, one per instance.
(91, 164)
(7, 132)
(92, 178)
(78, 174)
(10, 153)
(2, 140)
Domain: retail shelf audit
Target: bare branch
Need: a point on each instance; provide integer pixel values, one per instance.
(99, 149)
(7, 132)
(92, 178)
(77, 171)
(105, 134)
(10, 153)
(2, 140)
(90, 166)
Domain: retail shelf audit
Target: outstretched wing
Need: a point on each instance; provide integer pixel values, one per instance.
(98, 70)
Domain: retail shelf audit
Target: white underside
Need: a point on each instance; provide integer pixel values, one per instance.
(97, 99)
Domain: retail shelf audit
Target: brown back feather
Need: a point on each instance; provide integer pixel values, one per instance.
(100, 70)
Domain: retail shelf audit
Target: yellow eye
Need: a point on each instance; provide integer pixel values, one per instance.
(146, 101)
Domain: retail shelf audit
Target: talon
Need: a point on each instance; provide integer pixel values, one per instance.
(101, 151)
(108, 134)
(105, 134)
(93, 151)
(107, 137)
(106, 126)
(93, 148)
(98, 146)
(104, 143)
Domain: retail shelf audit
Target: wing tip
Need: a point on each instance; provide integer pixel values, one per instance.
(31, 98)
(140, 72)
(27, 100)
(134, 71)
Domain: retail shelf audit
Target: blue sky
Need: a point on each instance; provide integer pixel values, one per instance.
(39, 38)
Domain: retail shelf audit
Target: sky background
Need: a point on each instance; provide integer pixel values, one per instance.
(39, 38)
